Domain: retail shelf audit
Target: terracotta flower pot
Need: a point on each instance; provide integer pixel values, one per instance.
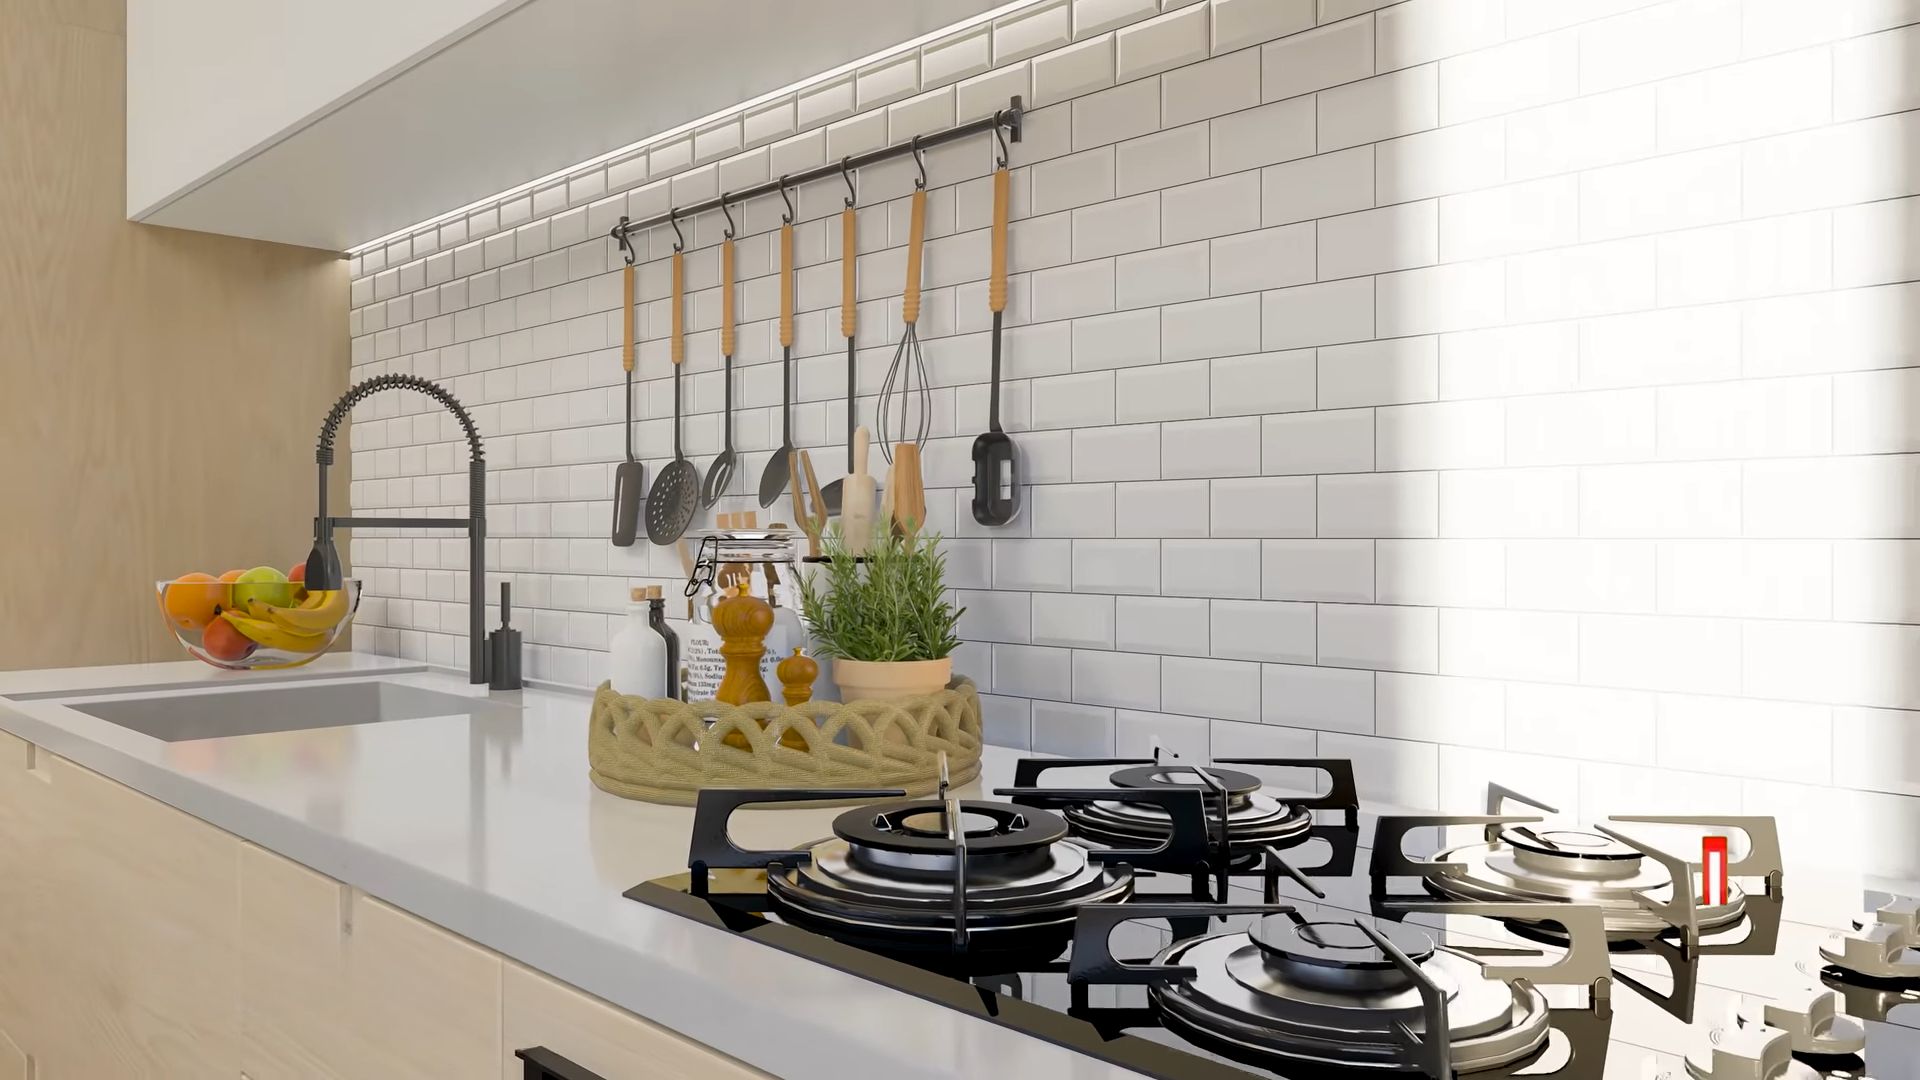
(886, 680)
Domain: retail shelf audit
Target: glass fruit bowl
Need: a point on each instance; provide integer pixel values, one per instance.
(255, 625)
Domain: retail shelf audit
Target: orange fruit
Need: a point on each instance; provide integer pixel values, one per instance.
(190, 600)
(223, 642)
(226, 594)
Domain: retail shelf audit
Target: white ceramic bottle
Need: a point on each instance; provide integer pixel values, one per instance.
(637, 661)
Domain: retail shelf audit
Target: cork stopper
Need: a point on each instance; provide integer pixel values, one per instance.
(653, 592)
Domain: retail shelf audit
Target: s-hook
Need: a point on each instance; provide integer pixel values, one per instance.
(727, 210)
(1000, 133)
(673, 218)
(852, 195)
(920, 162)
(786, 196)
(626, 242)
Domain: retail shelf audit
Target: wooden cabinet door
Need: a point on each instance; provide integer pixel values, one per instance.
(426, 1003)
(296, 990)
(143, 979)
(24, 959)
(599, 1037)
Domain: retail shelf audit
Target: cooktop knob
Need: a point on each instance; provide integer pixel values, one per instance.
(1747, 1052)
(1812, 1019)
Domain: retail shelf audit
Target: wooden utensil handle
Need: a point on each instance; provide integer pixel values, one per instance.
(916, 235)
(997, 283)
(726, 297)
(679, 295)
(846, 272)
(626, 317)
(786, 286)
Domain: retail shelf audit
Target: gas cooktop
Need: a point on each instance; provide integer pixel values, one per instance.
(1194, 922)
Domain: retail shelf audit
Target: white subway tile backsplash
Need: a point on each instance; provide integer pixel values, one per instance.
(1228, 446)
(1318, 442)
(1169, 41)
(1226, 326)
(1225, 204)
(1583, 722)
(1376, 241)
(1551, 365)
(1442, 435)
(1379, 505)
(1326, 699)
(1508, 78)
(1463, 573)
(1265, 259)
(1263, 382)
(1379, 108)
(1332, 55)
(1160, 508)
(1240, 23)
(1161, 160)
(1123, 680)
(1080, 68)
(1073, 620)
(1116, 567)
(1322, 314)
(1390, 372)
(1072, 730)
(1440, 709)
(1167, 625)
(1223, 689)
(1317, 186)
(1510, 502)
(1263, 507)
(1339, 570)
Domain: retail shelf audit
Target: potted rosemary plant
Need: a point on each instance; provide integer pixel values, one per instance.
(886, 621)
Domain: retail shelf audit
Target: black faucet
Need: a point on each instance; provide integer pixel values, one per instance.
(323, 563)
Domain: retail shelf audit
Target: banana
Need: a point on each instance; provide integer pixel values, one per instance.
(321, 612)
(274, 636)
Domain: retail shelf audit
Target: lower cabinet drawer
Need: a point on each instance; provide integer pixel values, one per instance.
(554, 1032)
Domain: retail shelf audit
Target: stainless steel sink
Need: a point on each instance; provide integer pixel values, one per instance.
(181, 717)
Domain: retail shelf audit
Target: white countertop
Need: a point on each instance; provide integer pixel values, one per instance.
(490, 827)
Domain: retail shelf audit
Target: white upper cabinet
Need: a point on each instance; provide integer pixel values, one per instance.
(328, 125)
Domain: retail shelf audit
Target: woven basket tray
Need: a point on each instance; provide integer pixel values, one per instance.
(660, 750)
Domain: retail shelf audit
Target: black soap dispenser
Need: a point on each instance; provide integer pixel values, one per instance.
(503, 647)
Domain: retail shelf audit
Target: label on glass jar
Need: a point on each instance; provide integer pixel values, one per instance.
(701, 664)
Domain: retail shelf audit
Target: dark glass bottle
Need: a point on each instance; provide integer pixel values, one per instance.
(657, 618)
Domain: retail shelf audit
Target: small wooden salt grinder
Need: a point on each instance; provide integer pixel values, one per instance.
(796, 674)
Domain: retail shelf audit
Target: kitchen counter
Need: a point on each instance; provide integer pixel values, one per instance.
(490, 827)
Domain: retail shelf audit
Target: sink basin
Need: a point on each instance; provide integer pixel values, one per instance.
(224, 713)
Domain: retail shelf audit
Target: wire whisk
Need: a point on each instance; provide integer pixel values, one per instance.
(898, 389)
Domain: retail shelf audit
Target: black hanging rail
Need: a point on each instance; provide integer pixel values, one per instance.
(1007, 119)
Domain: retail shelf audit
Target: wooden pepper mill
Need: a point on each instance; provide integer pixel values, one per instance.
(742, 621)
(796, 674)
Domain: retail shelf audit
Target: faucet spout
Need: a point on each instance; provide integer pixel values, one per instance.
(323, 562)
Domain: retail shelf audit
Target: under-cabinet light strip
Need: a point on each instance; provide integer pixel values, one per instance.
(771, 95)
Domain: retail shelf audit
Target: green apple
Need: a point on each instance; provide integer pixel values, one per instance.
(265, 584)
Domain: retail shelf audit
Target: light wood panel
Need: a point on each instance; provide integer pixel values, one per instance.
(160, 390)
(142, 974)
(599, 1037)
(296, 990)
(426, 1002)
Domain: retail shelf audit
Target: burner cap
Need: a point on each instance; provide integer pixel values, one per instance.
(1568, 844)
(1238, 784)
(919, 827)
(1337, 953)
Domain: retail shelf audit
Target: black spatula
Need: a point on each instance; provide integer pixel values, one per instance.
(996, 462)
